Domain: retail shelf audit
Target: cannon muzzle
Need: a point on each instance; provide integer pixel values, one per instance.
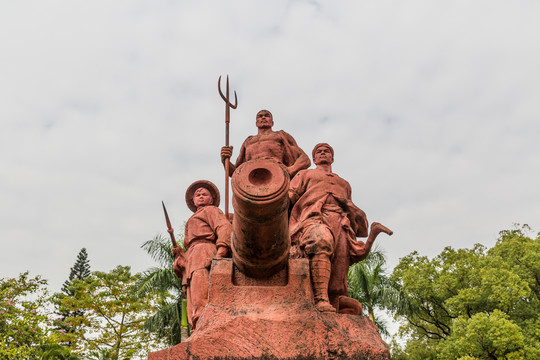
(260, 241)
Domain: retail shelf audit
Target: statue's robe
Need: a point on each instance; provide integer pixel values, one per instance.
(322, 205)
(205, 230)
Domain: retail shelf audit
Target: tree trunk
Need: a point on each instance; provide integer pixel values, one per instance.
(371, 314)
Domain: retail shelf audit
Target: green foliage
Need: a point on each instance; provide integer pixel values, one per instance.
(109, 324)
(374, 289)
(473, 303)
(23, 323)
(163, 283)
(112, 324)
(80, 270)
(54, 351)
(484, 336)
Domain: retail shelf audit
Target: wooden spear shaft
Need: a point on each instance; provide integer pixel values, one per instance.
(228, 106)
(227, 161)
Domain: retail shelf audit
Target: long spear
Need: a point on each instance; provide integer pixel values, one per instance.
(170, 229)
(228, 106)
(181, 314)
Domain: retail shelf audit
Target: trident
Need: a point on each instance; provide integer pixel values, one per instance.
(228, 107)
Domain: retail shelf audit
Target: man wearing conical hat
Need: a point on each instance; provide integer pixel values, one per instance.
(324, 224)
(207, 235)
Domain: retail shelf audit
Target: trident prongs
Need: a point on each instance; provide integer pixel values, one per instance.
(226, 97)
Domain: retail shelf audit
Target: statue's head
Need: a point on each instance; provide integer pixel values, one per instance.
(200, 194)
(264, 119)
(323, 154)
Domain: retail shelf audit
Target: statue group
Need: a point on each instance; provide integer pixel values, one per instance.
(313, 219)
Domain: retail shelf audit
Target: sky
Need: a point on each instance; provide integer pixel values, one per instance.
(109, 107)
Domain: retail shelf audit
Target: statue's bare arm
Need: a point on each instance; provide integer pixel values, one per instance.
(226, 153)
(301, 160)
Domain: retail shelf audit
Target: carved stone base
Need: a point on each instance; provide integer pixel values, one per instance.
(273, 318)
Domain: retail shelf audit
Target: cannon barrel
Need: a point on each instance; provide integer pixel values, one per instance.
(260, 241)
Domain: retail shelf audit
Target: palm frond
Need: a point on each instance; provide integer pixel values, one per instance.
(376, 256)
(382, 325)
(166, 322)
(158, 280)
(370, 284)
(161, 280)
(160, 250)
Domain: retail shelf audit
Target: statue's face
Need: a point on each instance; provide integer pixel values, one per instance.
(202, 197)
(323, 155)
(264, 119)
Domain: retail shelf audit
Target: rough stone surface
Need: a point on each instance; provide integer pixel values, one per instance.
(207, 235)
(324, 224)
(273, 319)
(260, 241)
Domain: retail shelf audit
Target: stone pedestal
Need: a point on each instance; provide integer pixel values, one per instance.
(273, 318)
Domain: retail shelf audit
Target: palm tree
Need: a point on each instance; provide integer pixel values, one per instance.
(161, 280)
(58, 352)
(373, 288)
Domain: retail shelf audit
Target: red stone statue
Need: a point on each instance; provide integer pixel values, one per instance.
(269, 144)
(283, 294)
(207, 235)
(324, 224)
(261, 302)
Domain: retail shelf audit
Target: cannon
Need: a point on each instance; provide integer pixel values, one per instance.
(260, 240)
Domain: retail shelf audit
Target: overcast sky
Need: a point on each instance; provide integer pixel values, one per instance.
(109, 107)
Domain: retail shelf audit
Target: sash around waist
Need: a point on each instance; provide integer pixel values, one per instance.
(332, 208)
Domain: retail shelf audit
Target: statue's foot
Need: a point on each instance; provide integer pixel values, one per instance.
(324, 306)
(377, 228)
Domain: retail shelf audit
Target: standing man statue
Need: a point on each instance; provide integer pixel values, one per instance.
(269, 144)
(207, 235)
(324, 224)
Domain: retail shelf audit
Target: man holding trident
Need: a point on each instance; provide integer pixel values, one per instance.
(268, 144)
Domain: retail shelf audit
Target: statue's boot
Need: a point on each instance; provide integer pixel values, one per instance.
(320, 276)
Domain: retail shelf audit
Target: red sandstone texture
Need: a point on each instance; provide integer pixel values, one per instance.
(263, 305)
(274, 318)
(207, 235)
(269, 144)
(324, 224)
(260, 241)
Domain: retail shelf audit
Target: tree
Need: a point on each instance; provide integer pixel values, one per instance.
(372, 287)
(492, 293)
(484, 336)
(55, 351)
(80, 270)
(112, 324)
(161, 281)
(23, 322)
